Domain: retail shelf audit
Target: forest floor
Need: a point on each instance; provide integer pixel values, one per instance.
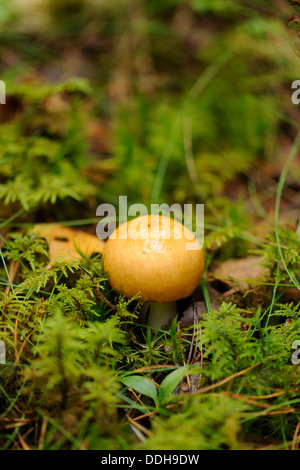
(170, 101)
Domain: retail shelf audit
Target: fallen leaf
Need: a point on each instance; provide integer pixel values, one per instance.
(241, 273)
(67, 242)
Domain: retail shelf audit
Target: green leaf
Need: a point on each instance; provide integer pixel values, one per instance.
(171, 381)
(141, 385)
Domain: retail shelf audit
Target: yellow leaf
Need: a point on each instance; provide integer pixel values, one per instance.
(67, 242)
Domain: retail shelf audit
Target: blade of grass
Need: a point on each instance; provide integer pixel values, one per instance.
(281, 183)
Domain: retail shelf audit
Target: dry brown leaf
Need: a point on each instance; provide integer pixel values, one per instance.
(65, 242)
(241, 273)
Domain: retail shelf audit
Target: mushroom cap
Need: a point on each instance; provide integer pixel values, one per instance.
(149, 256)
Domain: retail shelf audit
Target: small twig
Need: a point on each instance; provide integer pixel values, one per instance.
(42, 434)
(100, 296)
(16, 337)
(19, 353)
(227, 379)
(23, 443)
(17, 424)
(138, 398)
(139, 427)
(296, 437)
(13, 268)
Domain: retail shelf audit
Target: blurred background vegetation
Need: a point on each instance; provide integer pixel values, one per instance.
(162, 101)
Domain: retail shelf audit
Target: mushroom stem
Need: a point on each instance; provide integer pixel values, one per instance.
(157, 315)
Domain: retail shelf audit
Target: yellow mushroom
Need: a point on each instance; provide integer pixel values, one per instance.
(151, 256)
